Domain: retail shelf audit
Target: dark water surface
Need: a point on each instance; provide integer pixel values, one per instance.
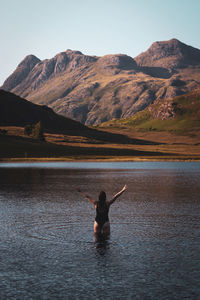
(47, 247)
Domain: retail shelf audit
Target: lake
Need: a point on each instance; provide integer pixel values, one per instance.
(47, 246)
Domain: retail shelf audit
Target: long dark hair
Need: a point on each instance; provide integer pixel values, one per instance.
(102, 199)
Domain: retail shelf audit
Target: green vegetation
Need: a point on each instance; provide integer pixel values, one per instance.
(36, 131)
(28, 130)
(186, 109)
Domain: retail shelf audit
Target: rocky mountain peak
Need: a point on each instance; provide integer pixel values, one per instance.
(29, 61)
(60, 62)
(73, 52)
(172, 47)
(21, 72)
(120, 61)
(32, 72)
(169, 54)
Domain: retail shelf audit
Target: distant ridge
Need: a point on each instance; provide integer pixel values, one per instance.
(92, 89)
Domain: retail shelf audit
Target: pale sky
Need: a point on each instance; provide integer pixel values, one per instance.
(94, 27)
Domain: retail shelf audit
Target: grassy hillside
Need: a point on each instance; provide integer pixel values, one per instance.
(180, 115)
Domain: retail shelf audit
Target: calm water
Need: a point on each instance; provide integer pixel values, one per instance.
(47, 247)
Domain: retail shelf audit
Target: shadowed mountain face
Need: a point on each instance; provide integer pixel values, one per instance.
(94, 89)
(16, 111)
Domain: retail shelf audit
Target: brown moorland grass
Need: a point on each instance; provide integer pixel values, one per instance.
(161, 146)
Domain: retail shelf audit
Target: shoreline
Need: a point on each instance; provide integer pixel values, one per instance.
(100, 159)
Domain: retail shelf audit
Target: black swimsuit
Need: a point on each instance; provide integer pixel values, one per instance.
(102, 215)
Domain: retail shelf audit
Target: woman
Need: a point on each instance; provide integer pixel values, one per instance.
(101, 223)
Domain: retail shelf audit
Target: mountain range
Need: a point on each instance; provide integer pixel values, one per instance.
(93, 89)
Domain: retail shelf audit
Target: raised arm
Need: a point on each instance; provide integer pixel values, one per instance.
(86, 196)
(117, 195)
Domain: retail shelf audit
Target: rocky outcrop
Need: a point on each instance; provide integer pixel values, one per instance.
(94, 89)
(163, 110)
(185, 109)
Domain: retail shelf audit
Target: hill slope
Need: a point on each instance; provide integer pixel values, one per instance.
(16, 111)
(19, 112)
(179, 115)
(94, 89)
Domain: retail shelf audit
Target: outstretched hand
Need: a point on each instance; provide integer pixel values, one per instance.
(85, 195)
(124, 188)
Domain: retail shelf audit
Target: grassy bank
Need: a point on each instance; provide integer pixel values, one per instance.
(14, 146)
(25, 148)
